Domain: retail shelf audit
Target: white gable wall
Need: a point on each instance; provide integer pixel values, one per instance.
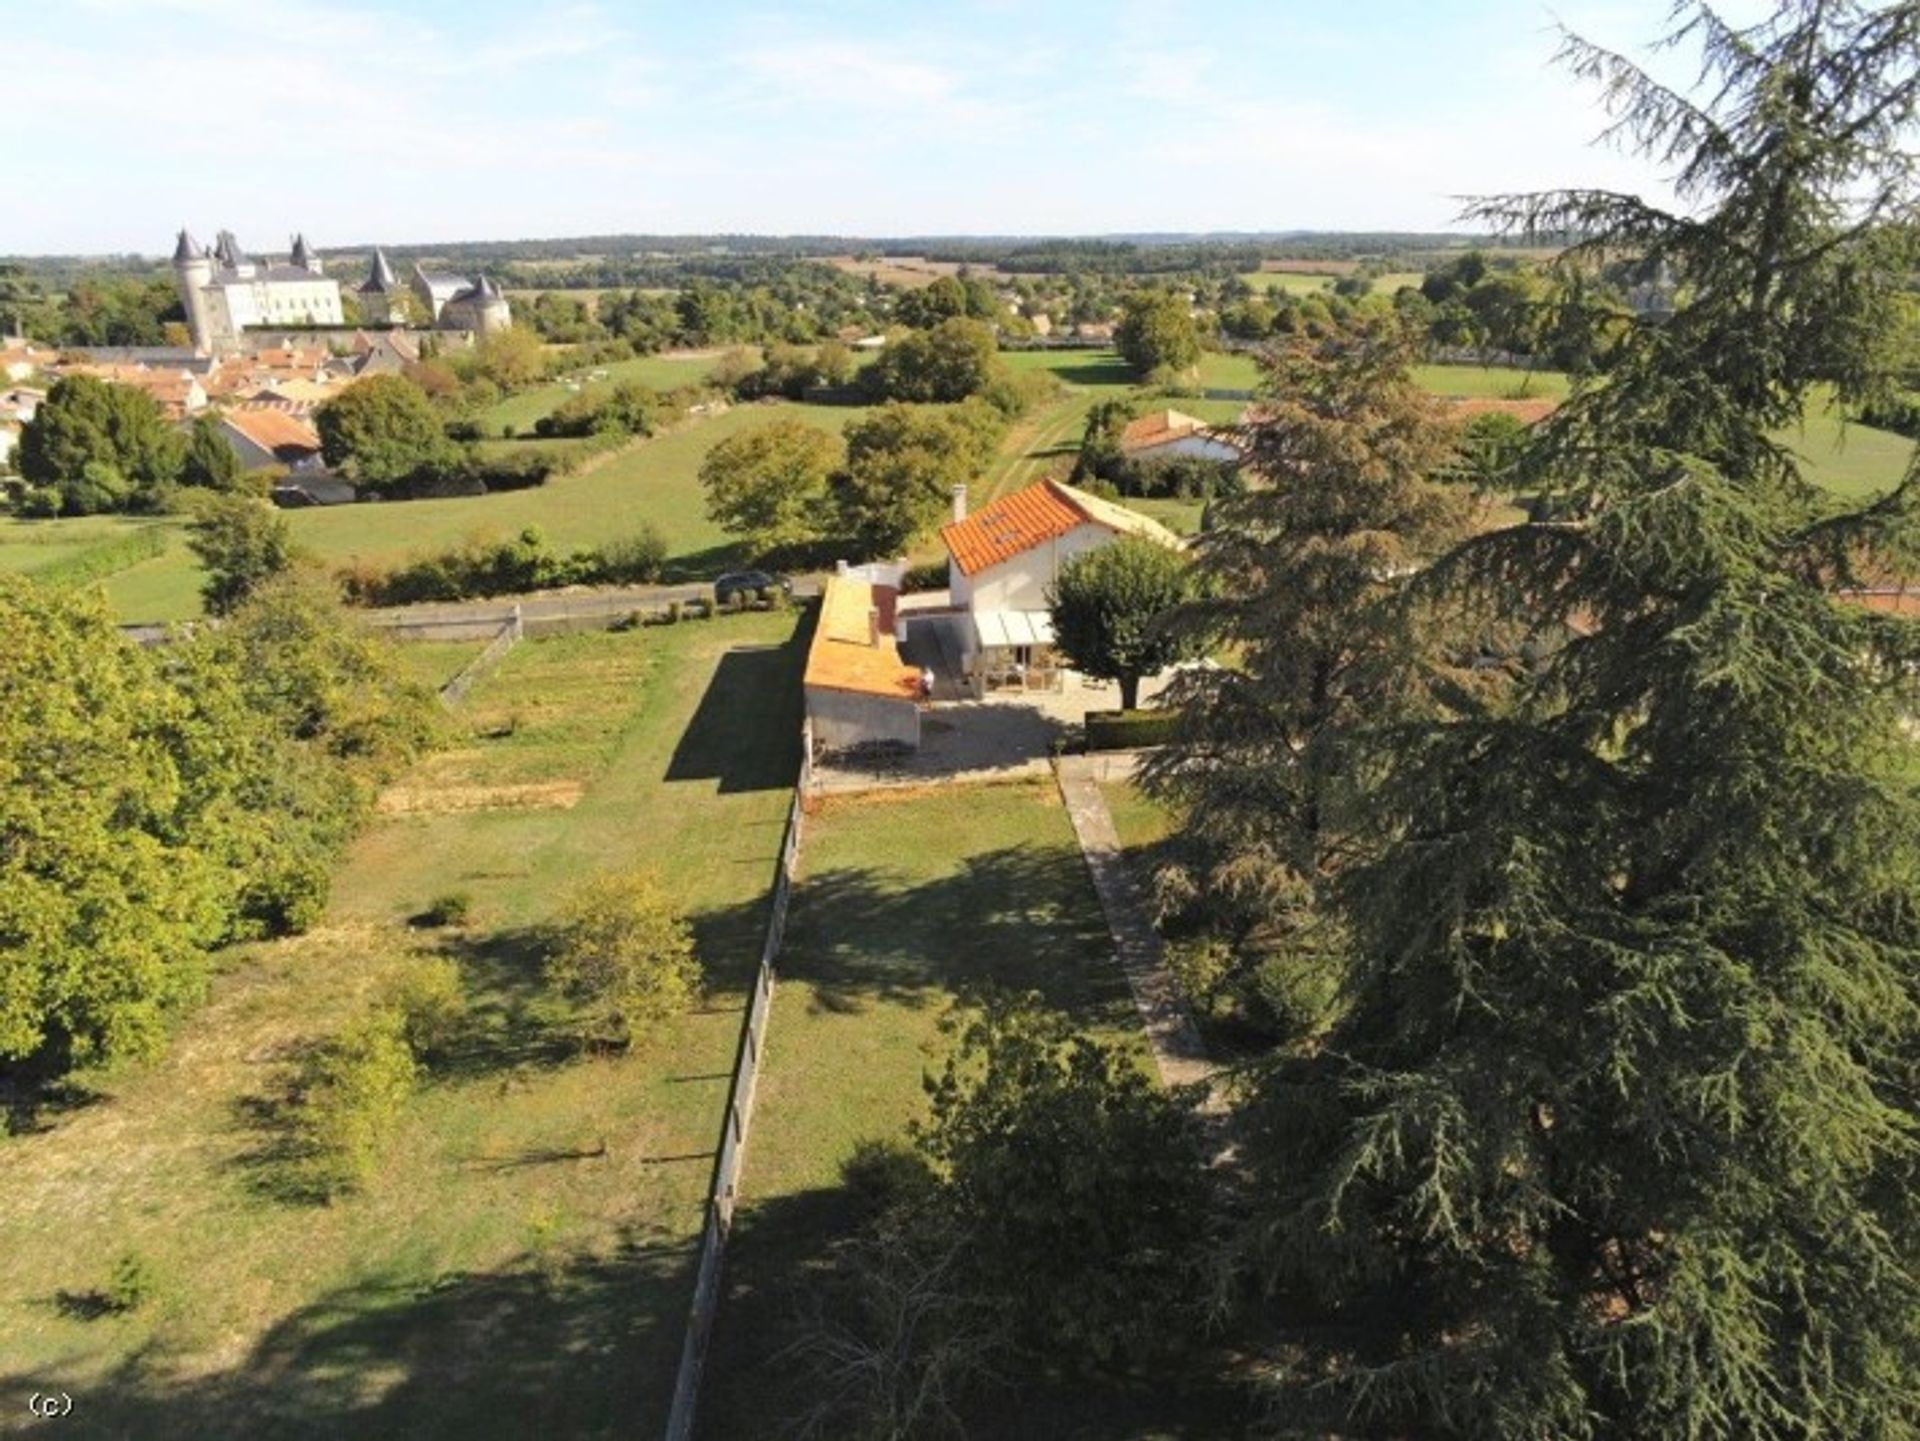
(1021, 583)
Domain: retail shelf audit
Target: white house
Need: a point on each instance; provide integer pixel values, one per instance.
(1169, 434)
(1004, 558)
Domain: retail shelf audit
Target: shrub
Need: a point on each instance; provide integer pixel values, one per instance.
(625, 954)
(929, 575)
(431, 1002)
(1203, 968)
(132, 1284)
(285, 894)
(1120, 730)
(675, 611)
(350, 1098)
(450, 908)
(637, 558)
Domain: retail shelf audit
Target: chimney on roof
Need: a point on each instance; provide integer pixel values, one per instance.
(960, 501)
(873, 627)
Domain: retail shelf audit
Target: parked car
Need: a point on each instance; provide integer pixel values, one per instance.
(748, 583)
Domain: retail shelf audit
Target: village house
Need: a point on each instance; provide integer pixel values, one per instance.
(261, 436)
(859, 692)
(1171, 435)
(17, 407)
(179, 392)
(1004, 559)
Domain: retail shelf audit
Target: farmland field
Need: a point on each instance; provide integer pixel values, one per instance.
(1301, 282)
(519, 1265)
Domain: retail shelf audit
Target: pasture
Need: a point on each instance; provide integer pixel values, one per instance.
(1320, 282)
(520, 1263)
(667, 371)
(653, 480)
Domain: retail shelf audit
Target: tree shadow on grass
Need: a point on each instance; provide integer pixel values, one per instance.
(783, 1270)
(1022, 918)
(562, 1345)
(1109, 371)
(512, 1025)
(745, 733)
(37, 1092)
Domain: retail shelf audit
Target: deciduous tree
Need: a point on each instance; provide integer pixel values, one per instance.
(383, 431)
(118, 429)
(903, 462)
(623, 951)
(1111, 609)
(241, 543)
(1156, 334)
(769, 486)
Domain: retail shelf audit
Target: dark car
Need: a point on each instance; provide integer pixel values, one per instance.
(748, 583)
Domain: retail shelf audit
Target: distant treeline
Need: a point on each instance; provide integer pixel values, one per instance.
(718, 256)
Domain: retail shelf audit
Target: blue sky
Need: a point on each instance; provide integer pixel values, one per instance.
(438, 120)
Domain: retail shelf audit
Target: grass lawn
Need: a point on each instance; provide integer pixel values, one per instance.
(1851, 460)
(656, 479)
(520, 1265)
(1141, 822)
(1499, 382)
(433, 663)
(661, 372)
(906, 900)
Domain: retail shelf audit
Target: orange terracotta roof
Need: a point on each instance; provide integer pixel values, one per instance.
(846, 655)
(1015, 524)
(274, 430)
(1159, 428)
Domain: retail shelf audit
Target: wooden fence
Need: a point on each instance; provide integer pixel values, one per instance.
(510, 635)
(724, 1190)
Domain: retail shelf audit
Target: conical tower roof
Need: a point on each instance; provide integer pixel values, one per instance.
(187, 249)
(302, 256)
(380, 278)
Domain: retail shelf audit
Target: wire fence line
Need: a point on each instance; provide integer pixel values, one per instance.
(724, 1189)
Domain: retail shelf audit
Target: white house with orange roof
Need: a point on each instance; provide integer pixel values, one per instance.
(1003, 559)
(1173, 434)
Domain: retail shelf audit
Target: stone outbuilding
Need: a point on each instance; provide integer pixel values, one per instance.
(859, 692)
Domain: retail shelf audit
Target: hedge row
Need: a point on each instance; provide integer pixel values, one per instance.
(1125, 730)
(109, 557)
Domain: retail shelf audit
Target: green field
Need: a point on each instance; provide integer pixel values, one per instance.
(907, 900)
(652, 480)
(520, 1265)
(661, 372)
(657, 479)
(1495, 382)
(1300, 282)
(432, 663)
